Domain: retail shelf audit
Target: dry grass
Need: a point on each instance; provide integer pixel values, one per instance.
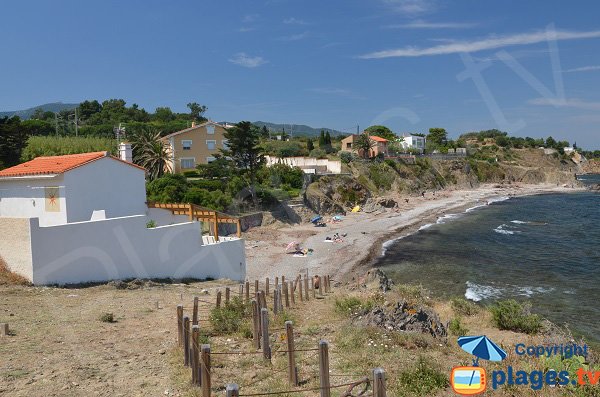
(10, 278)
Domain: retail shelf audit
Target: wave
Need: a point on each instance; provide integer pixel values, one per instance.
(479, 292)
(475, 207)
(425, 226)
(387, 244)
(498, 199)
(502, 229)
(518, 222)
(531, 223)
(442, 219)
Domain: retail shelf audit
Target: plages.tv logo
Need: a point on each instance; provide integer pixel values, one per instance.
(471, 380)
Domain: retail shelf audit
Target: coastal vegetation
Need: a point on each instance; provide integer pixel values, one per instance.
(513, 316)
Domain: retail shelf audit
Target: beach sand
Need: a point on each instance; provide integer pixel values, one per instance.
(366, 233)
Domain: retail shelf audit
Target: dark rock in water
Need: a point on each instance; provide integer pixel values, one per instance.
(407, 318)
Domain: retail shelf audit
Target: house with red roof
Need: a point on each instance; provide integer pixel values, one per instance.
(73, 188)
(378, 145)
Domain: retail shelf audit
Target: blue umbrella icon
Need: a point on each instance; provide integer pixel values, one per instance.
(481, 347)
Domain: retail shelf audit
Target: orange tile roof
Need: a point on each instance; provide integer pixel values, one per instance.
(378, 138)
(52, 165)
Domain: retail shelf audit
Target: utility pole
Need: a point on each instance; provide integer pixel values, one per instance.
(56, 123)
(357, 129)
(76, 127)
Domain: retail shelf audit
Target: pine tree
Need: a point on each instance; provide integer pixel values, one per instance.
(327, 139)
(310, 146)
(322, 141)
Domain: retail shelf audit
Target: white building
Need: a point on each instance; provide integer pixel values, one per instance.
(413, 142)
(83, 218)
(67, 189)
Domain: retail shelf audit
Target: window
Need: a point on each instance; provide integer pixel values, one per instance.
(212, 145)
(348, 145)
(187, 144)
(210, 129)
(224, 143)
(187, 164)
(210, 159)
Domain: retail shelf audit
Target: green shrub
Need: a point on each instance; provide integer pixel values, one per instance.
(511, 315)
(191, 174)
(382, 176)
(464, 307)
(208, 184)
(352, 305)
(107, 318)
(423, 380)
(229, 318)
(318, 153)
(150, 224)
(347, 157)
(456, 328)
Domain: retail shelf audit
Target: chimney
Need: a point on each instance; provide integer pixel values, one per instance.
(125, 152)
(193, 123)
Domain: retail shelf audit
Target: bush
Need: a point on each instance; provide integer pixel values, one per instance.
(456, 328)
(208, 184)
(424, 380)
(464, 307)
(107, 318)
(318, 153)
(216, 200)
(382, 176)
(150, 224)
(352, 305)
(229, 318)
(347, 157)
(191, 174)
(167, 189)
(511, 315)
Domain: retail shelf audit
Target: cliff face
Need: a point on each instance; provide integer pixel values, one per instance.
(368, 181)
(591, 167)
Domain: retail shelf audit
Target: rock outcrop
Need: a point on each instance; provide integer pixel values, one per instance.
(407, 318)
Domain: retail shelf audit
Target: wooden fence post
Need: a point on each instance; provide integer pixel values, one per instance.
(186, 341)
(180, 325)
(255, 325)
(264, 319)
(267, 286)
(276, 283)
(312, 287)
(263, 299)
(255, 286)
(227, 295)
(300, 294)
(4, 329)
(286, 295)
(306, 288)
(282, 280)
(292, 293)
(324, 369)
(218, 299)
(205, 370)
(292, 370)
(195, 354)
(232, 390)
(275, 303)
(379, 383)
(320, 286)
(195, 312)
(247, 291)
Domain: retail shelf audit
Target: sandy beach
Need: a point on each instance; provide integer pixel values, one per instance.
(366, 233)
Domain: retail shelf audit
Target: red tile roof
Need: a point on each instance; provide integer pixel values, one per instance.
(377, 138)
(55, 164)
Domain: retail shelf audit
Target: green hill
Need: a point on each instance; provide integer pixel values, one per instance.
(297, 129)
(48, 107)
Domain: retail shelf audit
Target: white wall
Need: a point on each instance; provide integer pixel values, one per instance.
(333, 166)
(124, 248)
(105, 184)
(25, 198)
(164, 217)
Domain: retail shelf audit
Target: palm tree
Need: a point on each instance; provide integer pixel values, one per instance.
(364, 143)
(150, 152)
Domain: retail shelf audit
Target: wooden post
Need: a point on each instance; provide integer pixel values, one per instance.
(324, 368)
(255, 286)
(186, 341)
(312, 287)
(227, 294)
(191, 212)
(292, 293)
(180, 325)
(267, 286)
(300, 294)
(280, 300)
(275, 301)
(263, 299)
(247, 291)
(255, 325)
(218, 299)
(241, 291)
(195, 312)
(264, 320)
(239, 230)
(379, 383)
(286, 295)
(276, 282)
(205, 370)
(282, 280)
(292, 370)
(216, 227)
(306, 288)
(195, 354)
(320, 286)
(232, 390)
(4, 329)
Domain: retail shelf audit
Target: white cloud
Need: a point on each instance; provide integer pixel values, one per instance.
(567, 102)
(247, 61)
(584, 69)
(420, 24)
(295, 37)
(250, 18)
(410, 7)
(483, 44)
(294, 21)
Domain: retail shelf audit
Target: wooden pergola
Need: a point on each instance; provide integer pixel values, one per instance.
(197, 213)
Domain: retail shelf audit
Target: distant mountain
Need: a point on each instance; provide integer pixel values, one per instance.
(297, 129)
(48, 107)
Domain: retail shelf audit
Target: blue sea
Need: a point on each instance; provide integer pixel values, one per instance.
(542, 249)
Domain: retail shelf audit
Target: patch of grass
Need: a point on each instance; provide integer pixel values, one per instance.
(352, 305)
(229, 318)
(423, 380)
(8, 277)
(511, 315)
(456, 328)
(464, 307)
(413, 293)
(107, 318)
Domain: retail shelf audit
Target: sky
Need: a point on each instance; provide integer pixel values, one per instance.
(530, 68)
